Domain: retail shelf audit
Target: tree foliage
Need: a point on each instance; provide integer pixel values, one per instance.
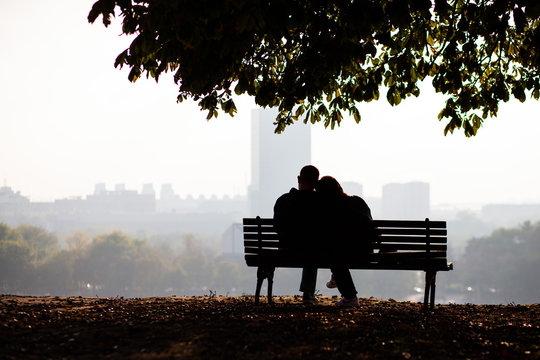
(503, 266)
(113, 264)
(40, 242)
(316, 60)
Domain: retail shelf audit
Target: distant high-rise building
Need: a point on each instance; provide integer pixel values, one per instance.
(11, 201)
(406, 201)
(8, 196)
(120, 187)
(166, 192)
(276, 160)
(148, 189)
(100, 189)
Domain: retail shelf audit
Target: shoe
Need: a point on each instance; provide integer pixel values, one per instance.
(345, 303)
(309, 299)
(331, 284)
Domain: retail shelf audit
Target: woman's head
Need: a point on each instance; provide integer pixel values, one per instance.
(329, 186)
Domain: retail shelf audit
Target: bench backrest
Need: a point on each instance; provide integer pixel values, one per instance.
(400, 244)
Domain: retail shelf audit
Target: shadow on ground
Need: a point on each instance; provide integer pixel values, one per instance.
(233, 327)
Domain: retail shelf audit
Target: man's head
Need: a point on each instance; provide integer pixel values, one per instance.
(307, 180)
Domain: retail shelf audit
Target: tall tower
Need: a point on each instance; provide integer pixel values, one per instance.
(276, 160)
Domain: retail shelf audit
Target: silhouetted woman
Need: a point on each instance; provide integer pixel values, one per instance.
(348, 233)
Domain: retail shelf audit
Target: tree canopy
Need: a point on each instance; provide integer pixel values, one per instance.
(317, 60)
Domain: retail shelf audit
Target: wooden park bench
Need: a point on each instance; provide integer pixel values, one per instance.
(401, 245)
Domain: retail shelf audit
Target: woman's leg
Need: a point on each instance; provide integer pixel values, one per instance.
(344, 282)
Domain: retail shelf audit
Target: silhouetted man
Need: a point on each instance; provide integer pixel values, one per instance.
(295, 215)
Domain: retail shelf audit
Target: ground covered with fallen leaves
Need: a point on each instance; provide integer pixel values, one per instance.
(217, 327)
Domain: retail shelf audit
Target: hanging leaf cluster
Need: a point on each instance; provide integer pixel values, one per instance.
(317, 60)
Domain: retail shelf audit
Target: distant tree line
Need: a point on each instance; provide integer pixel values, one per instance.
(499, 268)
(33, 262)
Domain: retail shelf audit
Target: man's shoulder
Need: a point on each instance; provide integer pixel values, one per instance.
(299, 194)
(296, 201)
(289, 195)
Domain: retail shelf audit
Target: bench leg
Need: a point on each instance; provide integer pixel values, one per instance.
(264, 272)
(433, 290)
(429, 293)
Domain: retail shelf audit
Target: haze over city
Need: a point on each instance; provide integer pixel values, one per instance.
(69, 119)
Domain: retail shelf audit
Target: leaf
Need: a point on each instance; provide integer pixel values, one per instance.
(519, 92)
(413, 74)
(104, 8)
(397, 98)
(329, 97)
(134, 74)
(228, 107)
(357, 116)
(390, 96)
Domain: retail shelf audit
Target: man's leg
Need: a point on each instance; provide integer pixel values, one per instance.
(309, 280)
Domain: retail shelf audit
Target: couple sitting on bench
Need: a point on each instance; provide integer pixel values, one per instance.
(319, 218)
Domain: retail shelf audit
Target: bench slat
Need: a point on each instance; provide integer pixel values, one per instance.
(412, 239)
(415, 252)
(407, 231)
(410, 254)
(383, 239)
(392, 258)
(265, 236)
(379, 223)
(256, 243)
(398, 245)
(417, 247)
(254, 221)
(410, 224)
(439, 264)
(255, 229)
(420, 232)
(376, 257)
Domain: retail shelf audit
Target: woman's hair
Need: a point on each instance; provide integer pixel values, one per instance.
(330, 186)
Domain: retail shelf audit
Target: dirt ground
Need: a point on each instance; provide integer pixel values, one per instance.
(235, 328)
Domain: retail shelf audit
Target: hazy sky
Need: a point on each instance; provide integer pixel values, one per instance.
(69, 119)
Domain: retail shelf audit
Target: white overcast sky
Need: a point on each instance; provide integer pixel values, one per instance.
(69, 119)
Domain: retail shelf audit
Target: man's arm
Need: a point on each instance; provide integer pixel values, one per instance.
(282, 218)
